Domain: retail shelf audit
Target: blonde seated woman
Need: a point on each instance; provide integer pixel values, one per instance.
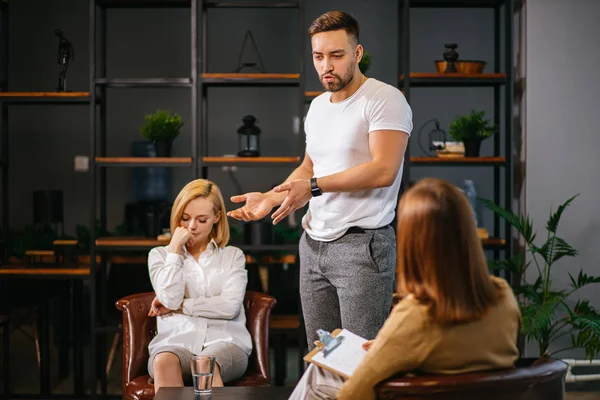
(200, 284)
(453, 317)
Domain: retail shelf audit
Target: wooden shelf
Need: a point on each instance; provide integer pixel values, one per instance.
(19, 270)
(459, 161)
(65, 242)
(144, 82)
(433, 79)
(454, 3)
(269, 260)
(250, 4)
(40, 253)
(269, 248)
(493, 242)
(144, 3)
(312, 94)
(220, 161)
(45, 97)
(242, 79)
(129, 242)
(144, 161)
(287, 322)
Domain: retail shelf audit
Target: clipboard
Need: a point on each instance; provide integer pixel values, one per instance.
(313, 358)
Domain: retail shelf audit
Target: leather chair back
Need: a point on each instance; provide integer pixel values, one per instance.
(532, 379)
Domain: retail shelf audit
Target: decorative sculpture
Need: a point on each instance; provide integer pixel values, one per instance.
(450, 55)
(241, 64)
(66, 53)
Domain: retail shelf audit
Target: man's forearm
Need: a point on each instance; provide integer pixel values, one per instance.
(365, 176)
(299, 173)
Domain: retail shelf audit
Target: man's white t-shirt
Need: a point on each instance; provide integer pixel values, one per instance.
(337, 138)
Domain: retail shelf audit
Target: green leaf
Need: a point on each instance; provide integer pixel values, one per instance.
(530, 292)
(555, 249)
(536, 320)
(522, 224)
(471, 127)
(161, 126)
(554, 219)
(586, 320)
(582, 280)
(515, 265)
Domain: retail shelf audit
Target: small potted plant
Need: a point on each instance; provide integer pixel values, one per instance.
(162, 128)
(471, 129)
(365, 62)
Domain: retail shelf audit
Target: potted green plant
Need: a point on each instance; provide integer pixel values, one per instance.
(365, 62)
(162, 128)
(471, 129)
(547, 312)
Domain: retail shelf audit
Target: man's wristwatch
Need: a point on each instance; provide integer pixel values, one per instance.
(314, 189)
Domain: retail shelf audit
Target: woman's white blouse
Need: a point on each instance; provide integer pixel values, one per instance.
(206, 294)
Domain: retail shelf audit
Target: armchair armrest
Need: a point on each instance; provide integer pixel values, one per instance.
(138, 331)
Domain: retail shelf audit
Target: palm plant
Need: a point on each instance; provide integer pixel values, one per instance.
(546, 312)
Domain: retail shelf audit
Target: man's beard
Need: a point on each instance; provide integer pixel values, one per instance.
(339, 83)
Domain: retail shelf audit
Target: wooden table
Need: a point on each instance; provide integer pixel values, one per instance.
(237, 393)
(75, 278)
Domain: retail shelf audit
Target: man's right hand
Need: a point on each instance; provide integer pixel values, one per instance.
(258, 205)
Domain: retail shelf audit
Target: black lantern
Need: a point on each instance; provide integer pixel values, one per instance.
(436, 137)
(249, 138)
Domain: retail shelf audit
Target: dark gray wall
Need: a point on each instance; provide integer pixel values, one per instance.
(150, 43)
(562, 134)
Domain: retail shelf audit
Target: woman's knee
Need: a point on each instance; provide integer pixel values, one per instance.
(165, 362)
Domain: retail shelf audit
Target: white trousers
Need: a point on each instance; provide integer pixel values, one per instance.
(317, 383)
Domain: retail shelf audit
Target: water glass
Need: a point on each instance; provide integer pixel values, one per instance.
(202, 373)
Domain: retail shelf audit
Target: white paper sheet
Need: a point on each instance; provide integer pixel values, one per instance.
(346, 357)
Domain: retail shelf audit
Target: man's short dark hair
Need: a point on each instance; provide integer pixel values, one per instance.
(333, 21)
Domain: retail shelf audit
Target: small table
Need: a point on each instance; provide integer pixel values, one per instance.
(237, 393)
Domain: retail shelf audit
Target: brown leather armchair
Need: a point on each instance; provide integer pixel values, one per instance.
(532, 379)
(139, 329)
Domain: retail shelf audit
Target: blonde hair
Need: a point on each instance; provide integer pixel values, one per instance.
(202, 188)
(440, 256)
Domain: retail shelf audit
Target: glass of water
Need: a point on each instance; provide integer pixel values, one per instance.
(202, 373)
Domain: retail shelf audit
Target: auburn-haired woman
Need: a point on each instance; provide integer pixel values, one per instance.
(200, 284)
(453, 316)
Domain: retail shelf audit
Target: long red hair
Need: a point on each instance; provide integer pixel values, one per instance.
(440, 256)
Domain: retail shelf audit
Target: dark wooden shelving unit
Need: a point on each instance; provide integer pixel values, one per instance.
(197, 82)
(500, 80)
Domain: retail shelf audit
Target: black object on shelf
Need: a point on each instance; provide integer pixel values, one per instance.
(241, 64)
(48, 209)
(47, 206)
(147, 218)
(66, 53)
(258, 233)
(450, 55)
(249, 136)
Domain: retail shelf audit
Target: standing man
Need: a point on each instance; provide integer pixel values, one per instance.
(356, 136)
